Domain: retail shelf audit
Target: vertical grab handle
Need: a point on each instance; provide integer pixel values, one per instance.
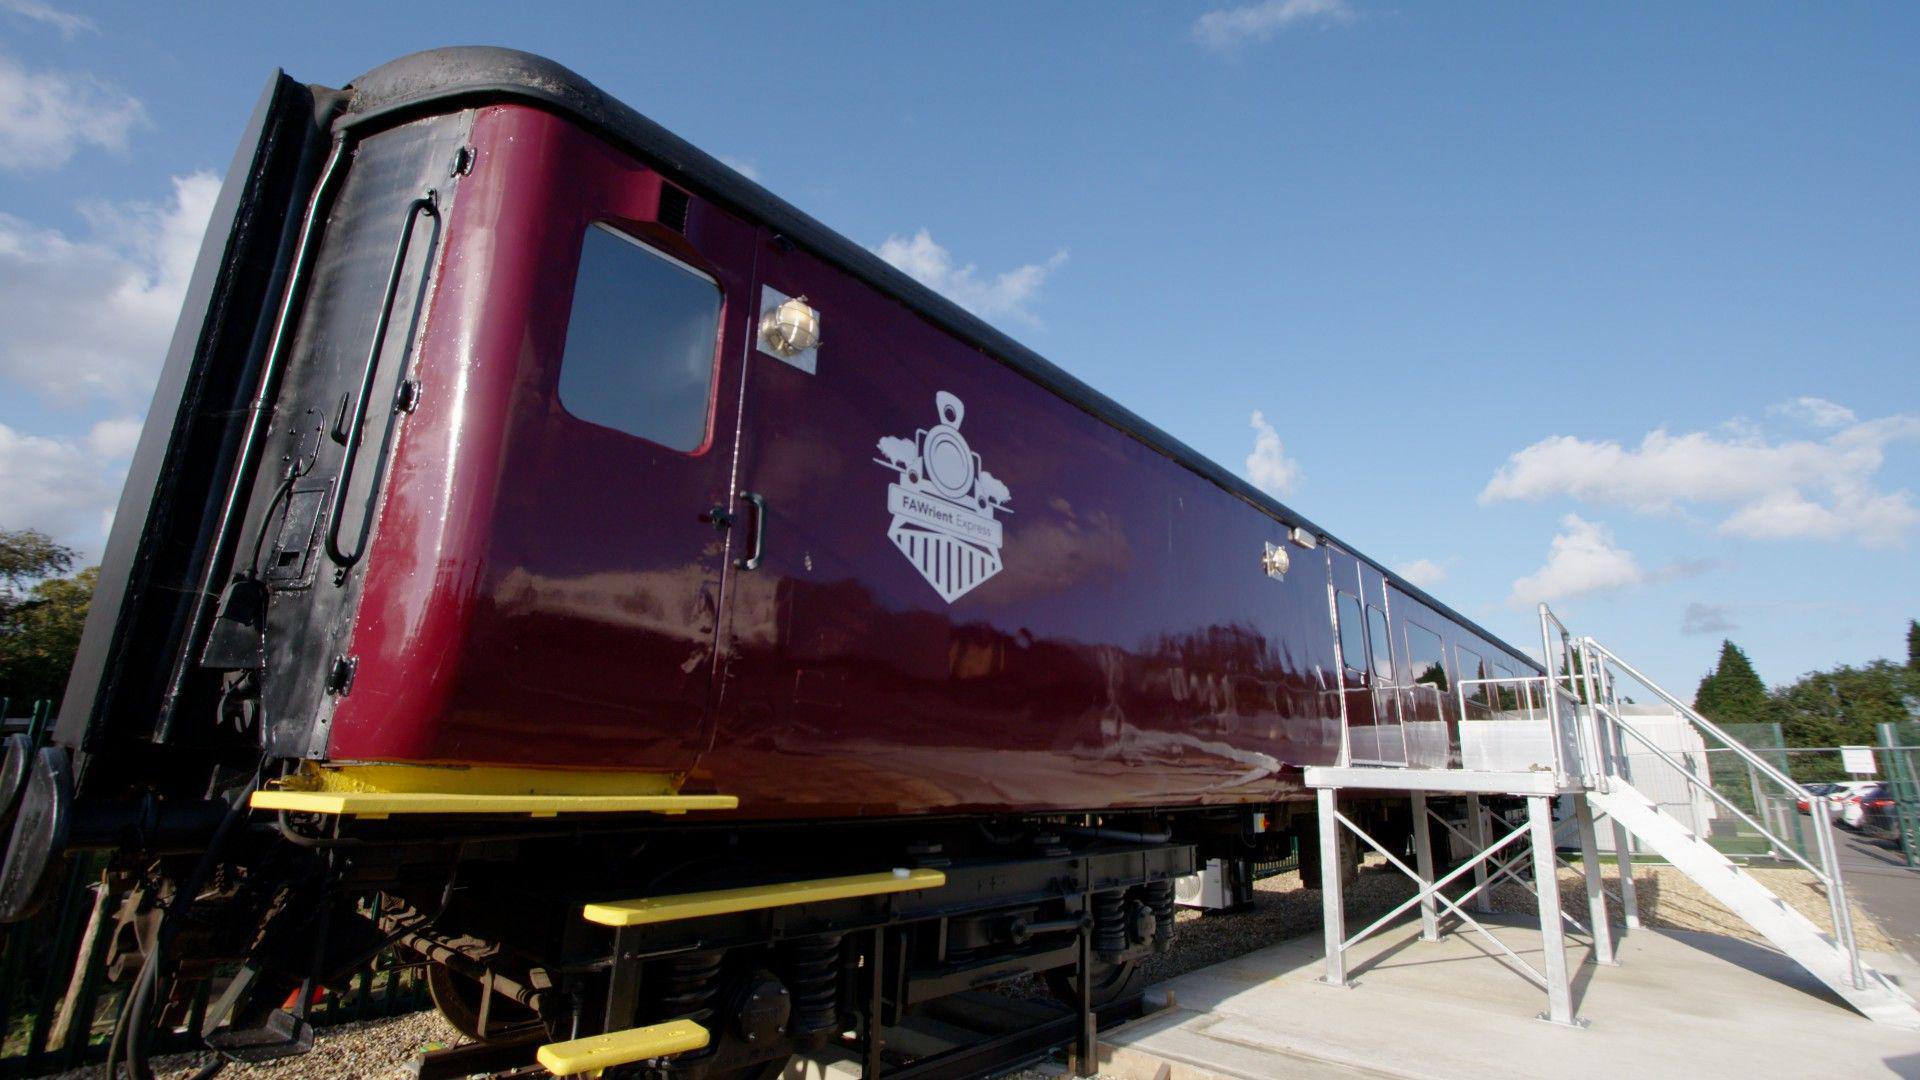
(429, 205)
(757, 542)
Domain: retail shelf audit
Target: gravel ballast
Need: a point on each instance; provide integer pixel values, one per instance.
(370, 1050)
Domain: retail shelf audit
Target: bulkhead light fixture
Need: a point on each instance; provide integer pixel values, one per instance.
(791, 328)
(1275, 561)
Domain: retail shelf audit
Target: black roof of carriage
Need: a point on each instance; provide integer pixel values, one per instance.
(476, 74)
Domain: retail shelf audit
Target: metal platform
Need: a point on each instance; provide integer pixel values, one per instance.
(1682, 1004)
(1489, 862)
(1573, 732)
(1439, 781)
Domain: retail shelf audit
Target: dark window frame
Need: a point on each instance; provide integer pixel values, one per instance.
(1354, 660)
(1479, 700)
(1413, 659)
(1379, 636)
(710, 396)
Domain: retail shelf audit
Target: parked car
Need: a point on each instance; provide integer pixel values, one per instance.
(1852, 800)
(1879, 815)
(1815, 789)
(1836, 796)
(1845, 795)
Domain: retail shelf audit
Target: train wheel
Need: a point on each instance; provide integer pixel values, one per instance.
(1111, 982)
(458, 999)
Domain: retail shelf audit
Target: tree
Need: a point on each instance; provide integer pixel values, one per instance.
(40, 627)
(1913, 644)
(41, 635)
(1846, 706)
(28, 555)
(1732, 692)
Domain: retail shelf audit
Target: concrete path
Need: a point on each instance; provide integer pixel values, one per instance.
(1680, 1004)
(1880, 881)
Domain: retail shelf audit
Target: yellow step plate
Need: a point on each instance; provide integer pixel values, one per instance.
(659, 909)
(596, 1052)
(380, 804)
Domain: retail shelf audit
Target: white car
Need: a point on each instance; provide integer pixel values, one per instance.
(1846, 797)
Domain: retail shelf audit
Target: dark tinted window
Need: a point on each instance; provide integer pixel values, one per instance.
(1426, 656)
(1353, 633)
(1473, 667)
(1509, 692)
(1382, 643)
(640, 342)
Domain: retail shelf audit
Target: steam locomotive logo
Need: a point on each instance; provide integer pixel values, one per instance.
(944, 503)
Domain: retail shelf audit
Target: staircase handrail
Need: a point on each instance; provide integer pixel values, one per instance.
(1828, 874)
(1563, 770)
(1694, 778)
(1744, 752)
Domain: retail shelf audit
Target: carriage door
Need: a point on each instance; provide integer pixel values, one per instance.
(608, 542)
(1374, 734)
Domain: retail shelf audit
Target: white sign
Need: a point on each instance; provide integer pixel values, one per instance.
(944, 503)
(1858, 760)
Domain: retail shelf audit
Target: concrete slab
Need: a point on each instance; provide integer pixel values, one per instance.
(1881, 881)
(1679, 1004)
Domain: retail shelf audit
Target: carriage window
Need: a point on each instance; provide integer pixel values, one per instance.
(1382, 644)
(1353, 633)
(1508, 692)
(1473, 667)
(1426, 656)
(640, 342)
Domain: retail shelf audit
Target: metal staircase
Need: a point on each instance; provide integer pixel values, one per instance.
(1599, 734)
(1786, 928)
(1623, 749)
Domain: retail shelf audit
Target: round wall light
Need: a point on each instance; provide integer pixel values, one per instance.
(791, 328)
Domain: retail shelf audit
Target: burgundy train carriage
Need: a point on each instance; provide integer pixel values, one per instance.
(534, 512)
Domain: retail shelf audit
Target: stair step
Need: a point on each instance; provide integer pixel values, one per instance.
(597, 1052)
(659, 909)
(1776, 920)
(377, 805)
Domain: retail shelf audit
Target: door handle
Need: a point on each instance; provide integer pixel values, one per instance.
(427, 205)
(757, 539)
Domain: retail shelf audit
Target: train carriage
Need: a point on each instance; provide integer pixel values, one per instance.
(669, 611)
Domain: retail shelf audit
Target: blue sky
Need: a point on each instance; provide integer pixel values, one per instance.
(1616, 306)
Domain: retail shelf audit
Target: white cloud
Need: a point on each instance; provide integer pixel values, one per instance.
(1005, 294)
(1226, 28)
(742, 166)
(1768, 487)
(1268, 466)
(1423, 572)
(90, 319)
(1706, 619)
(47, 116)
(114, 440)
(1581, 559)
(59, 486)
(1818, 412)
(66, 22)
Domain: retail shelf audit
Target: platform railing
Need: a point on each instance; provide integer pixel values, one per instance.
(1569, 706)
(1602, 672)
(1537, 700)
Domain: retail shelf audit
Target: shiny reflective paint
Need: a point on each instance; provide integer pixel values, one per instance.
(1130, 652)
(542, 590)
(545, 592)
